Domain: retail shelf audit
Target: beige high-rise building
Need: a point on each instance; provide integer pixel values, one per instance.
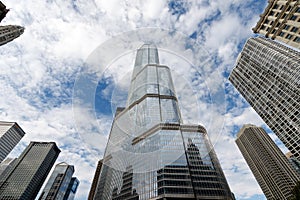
(281, 21)
(271, 168)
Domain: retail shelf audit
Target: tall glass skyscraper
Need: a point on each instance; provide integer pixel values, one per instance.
(29, 171)
(59, 183)
(150, 154)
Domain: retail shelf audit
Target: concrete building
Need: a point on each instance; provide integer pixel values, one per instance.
(269, 165)
(267, 75)
(9, 33)
(10, 135)
(150, 153)
(281, 21)
(29, 171)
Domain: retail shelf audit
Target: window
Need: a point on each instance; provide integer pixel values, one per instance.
(294, 29)
(281, 34)
(297, 39)
(286, 27)
(293, 17)
(288, 36)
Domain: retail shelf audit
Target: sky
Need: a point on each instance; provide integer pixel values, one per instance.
(64, 77)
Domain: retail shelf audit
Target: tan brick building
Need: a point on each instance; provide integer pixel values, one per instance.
(281, 21)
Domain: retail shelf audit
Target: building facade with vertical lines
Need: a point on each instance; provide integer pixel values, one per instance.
(281, 21)
(270, 166)
(95, 180)
(267, 74)
(150, 153)
(10, 135)
(29, 171)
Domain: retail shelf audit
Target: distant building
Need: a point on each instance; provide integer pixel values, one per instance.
(6, 165)
(58, 183)
(9, 33)
(95, 180)
(3, 11)
(269, 165)
(10, 135)
(267, 75)
(281, 21)
(29, 171)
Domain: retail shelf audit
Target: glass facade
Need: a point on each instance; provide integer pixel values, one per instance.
(58, 182)
(150, 154)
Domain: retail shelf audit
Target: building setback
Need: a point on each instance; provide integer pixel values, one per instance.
(10, 135)
(267, 74)
(9, 33)
(269, 165)
(29, 171)
(150, 153)
(281, 21)
(58, 183)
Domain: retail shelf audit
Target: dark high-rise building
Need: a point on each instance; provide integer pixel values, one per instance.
(281, 21)
(95, 180)
(58, 183)
(150, 154)
(10, 135)
(3, 11)
(29, 171)
(267, 74)
(9, 33)
(271, 168)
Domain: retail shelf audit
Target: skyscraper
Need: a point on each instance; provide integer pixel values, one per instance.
(9, 33)
(29, 171)
(267, 75)
(150, 154)
(10, 135)
(269, 165)
(58, 183)
(280, 21)
(95, 180)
